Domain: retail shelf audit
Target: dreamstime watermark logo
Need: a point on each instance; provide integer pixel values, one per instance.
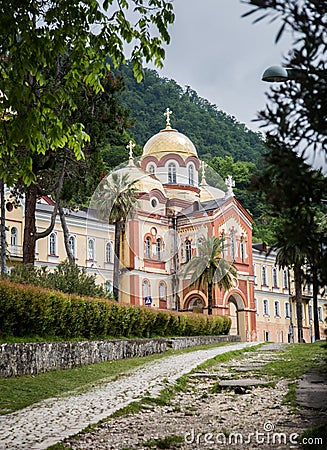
(268, 436)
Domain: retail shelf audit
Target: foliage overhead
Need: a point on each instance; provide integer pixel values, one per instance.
(297, 109)
(38, 38)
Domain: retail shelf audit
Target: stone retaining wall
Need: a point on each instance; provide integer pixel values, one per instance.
(193, 341)
(36, 357)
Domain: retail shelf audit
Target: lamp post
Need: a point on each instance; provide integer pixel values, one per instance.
(279, 74)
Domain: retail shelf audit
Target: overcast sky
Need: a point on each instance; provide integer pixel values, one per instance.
(222, 56)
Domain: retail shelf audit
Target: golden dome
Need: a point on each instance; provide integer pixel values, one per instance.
(169, 141)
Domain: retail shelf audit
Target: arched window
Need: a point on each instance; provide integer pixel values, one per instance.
(14, 237)
(152, 168)
(146, 289)
(232, 245)
(274, 275)
(158, 248)
(91, 250)
(162, 290)
(264, 275)
(285, 278)
(242, 245)
(108, 252)
(191, 175)
(265, 307)
(188, 250)
(52, 244)
(148, 247)
(72, 245)
(171, 173)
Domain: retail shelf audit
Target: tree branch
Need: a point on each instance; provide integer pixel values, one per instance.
(46, 232)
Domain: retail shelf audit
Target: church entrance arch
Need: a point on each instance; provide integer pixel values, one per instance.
(237, 314)
(195, 302)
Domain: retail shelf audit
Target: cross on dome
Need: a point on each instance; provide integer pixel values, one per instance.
(203, 178)
(168, 113)
(130, 146)
(230, 183)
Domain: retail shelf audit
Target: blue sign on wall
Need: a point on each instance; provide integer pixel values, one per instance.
(148, 300)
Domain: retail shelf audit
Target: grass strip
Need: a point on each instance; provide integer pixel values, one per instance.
(296, 360)
(225, 357)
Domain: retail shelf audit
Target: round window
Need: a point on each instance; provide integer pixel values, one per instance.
(154, 202)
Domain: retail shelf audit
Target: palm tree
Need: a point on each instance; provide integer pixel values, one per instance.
(210, 268)
(115, 199)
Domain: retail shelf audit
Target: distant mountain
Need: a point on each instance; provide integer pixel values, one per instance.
(213, 132)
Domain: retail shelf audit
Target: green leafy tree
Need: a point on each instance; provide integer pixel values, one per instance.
(114, 200)
(39, 42)
(210, 269)
(293, 204)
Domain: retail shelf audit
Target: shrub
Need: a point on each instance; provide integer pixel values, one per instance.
(34, 311)
(66, 277)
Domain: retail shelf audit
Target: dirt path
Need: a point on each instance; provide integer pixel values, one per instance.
(205, 417)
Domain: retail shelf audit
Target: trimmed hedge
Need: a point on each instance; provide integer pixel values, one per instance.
(32, 311)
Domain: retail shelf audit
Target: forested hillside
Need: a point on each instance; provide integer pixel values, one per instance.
(213, 132)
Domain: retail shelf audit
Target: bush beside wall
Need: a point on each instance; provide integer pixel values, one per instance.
(32, 311)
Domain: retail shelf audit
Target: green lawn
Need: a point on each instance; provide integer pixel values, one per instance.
(296, 360)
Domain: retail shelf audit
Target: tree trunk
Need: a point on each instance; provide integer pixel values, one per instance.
(30, 227)
(116, 261)
(3, 244)
(30, 234)
(210, 299)
(298, 297)
(65, 230)
(315, 287)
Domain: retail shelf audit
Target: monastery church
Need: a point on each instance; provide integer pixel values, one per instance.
(174, 212)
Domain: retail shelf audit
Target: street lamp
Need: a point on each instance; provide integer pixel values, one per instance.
(279, 74)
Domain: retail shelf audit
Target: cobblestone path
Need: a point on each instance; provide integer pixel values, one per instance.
(48, 422)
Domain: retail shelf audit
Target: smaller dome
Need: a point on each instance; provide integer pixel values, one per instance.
(210, 193)
(145, 182)
(169, 141)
